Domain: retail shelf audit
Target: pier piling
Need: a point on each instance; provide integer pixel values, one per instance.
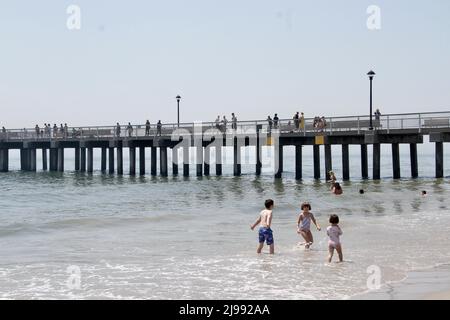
(60, 159)
(316, 160)
(364, 162)
(82, 159)
(376, 161)
(153, 157)
(77, 159)
(439, 160)
(328, 161)
(175, 161)
(142, 161)
(298, 162)
(132, 160)
(163, 161)
(218, 160)
(111, 160)
(90, 159)
(103, 160)
(119, 160)
(345, 162)
(413, 157)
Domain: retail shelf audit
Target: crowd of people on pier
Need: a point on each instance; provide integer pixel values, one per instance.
(297, 124)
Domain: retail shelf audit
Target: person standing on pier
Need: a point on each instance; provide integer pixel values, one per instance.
(158, 128)
(147, 128)
(270, 123)
(66, 130)
(302, 122)
(233, 121)
(61, 130)
(224, 123)
(217, 122)
(118, 129)
(377, 114)
(130, 129)
(38, 131)
(55, 130)
(296, 120)
(275, 121)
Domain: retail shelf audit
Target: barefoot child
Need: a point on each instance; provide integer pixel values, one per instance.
(304, 224)
(265, 221)
(333, 232)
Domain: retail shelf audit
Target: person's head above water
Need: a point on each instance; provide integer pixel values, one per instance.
(334, 219)
(337, 186)
(268, 204)
(361, 191)
(305, 205)
(424, 192)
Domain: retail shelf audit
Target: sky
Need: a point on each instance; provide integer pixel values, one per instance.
(130, 59)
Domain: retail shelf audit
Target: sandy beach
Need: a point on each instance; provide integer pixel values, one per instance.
(429, 284)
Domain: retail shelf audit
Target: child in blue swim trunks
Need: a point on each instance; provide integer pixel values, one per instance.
(265, 233)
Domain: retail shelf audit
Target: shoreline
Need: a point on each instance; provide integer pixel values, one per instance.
(426, 284)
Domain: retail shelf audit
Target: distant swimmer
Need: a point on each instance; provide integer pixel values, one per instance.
(304, 224)
(265, 232)
(337, 189)
(332, 177)
(333, 233)
(424, 193)
(361, 191)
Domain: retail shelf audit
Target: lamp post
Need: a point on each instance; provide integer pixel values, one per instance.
(371, 75)
(178, 110)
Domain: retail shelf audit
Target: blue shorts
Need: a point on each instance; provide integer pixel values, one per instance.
(265, 234)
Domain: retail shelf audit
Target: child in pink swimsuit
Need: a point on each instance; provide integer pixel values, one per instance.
(334, 232)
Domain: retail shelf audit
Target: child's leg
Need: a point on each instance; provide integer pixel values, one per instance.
(311, 240)
(272, 248)
(304, 234)
(330, 253)
(261, 245)
(339, 251)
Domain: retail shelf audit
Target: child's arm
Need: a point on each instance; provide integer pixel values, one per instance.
(299, 220)
(315, 222)
(340, 231)
(256, 223)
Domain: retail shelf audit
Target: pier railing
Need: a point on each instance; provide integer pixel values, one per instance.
(325, 125)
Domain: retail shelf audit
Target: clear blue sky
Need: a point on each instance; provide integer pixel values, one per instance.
(253, 57)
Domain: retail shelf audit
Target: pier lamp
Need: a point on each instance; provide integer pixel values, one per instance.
(178, 110)
(371, 75)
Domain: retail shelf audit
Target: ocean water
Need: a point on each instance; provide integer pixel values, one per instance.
(190, 238)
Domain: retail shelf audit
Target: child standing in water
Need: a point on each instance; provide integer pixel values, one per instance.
(304, 224)
(265, 232)
(333, 233)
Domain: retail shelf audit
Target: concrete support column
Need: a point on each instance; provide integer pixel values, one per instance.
(316, 159)
(199, 160)
(77, 159)
(132, 151)
(439, 159)
(258, 157)
(218, 160)
(90, 160)
(328, 161)
(298, 162)
(111, 160)
(142, 161)
(345, 163)
(153, 157)
(163, 161)
(376, 161)
(186, 161)
(119, 160)
(53, 159)
(413, 157)
(82, 159)
(236, 158)
(61, 159)
(44, 160)
(278, 161)
(175, 161)
(364, 162)
(103, 160)
(396, 160)
(207, 160)
(32, 159)
(4, 160)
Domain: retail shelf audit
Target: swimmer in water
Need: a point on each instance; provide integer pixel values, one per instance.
(337, 189)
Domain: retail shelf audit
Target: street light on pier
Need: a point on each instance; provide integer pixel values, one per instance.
(178, 110)
(371, 75)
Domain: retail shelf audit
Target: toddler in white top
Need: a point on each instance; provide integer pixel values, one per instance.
(334, 232)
